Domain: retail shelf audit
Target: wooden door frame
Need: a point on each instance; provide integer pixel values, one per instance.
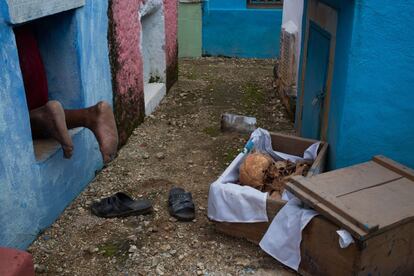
(326, 18)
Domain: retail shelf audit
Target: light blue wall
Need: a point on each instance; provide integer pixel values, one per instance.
(231, 29)
(378, 112)
(33, 194)
(372, 103)
(227, 5)
(345, 23)
(63, 74)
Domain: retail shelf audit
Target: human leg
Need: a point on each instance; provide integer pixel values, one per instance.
(48, 121)
(52, 121)
(101, 121)
(47, 118)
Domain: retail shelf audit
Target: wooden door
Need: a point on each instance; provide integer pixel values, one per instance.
(315, 81)
(317, 70)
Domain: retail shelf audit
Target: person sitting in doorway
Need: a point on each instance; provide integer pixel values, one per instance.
(48, 119)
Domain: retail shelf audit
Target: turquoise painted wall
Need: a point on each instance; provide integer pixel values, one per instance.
(231, 29)
(378, 112)
(34, 193)
(372, 105)
(345, 23)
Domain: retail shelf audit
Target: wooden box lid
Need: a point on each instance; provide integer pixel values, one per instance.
(365, 199)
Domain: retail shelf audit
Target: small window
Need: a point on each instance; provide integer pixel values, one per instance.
(53, 39)
(264, 3)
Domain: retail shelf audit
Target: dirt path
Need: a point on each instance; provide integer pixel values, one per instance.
(181, 144)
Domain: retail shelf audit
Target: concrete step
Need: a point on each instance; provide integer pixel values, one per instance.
(153, 94)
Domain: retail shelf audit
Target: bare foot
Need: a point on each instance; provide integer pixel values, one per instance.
(49, 121)
(101, 122)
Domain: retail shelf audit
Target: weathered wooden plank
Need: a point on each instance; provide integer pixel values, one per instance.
(331, 211)
(387, 205)
(391, 253)
(321, 253)
(253, 232)
(366, 199)
(351, 179)
(293, 145)
(320, 250)
(394, 166)
(319, 165)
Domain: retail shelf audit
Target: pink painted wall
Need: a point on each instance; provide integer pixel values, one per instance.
(127, 63)
(170, 13)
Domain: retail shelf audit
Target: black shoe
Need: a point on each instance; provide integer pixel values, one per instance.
(121, 205)
(181, 204)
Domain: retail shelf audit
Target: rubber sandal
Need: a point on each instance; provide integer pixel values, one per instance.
(181, 204)
(120, 205)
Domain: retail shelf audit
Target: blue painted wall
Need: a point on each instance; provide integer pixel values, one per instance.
(340, 77)
(378, 112)
(33, 193)
(63, 75)
(231, 29)
(372, 103)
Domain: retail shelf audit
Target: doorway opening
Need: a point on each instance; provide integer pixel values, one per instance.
(153, 54)
(317, 70)
(53, 45)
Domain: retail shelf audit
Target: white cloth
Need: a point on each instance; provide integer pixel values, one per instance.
(231, 202)
(345, 238)
(263, 142)
(284, 235)
(234, 203)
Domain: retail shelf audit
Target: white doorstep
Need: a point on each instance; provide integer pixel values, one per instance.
(153, 94)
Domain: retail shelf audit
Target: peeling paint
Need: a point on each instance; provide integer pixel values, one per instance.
(126, 58)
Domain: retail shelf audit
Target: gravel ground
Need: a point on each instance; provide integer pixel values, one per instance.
(179, 145)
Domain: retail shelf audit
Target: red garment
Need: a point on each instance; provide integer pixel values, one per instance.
(31, 65)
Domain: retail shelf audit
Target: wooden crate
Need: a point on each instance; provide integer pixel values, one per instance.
(374, 202)
(283, 143)
(383, 250)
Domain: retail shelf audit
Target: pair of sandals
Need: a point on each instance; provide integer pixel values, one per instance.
(180, 205)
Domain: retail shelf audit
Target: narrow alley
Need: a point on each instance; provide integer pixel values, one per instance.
(181, 144)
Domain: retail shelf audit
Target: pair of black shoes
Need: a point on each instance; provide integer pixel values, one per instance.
(180, 205)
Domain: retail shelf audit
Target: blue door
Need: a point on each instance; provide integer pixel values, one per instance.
(315, 81)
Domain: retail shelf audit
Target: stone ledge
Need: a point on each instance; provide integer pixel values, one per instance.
(21, 11)
(46, 148)
(191, 1)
